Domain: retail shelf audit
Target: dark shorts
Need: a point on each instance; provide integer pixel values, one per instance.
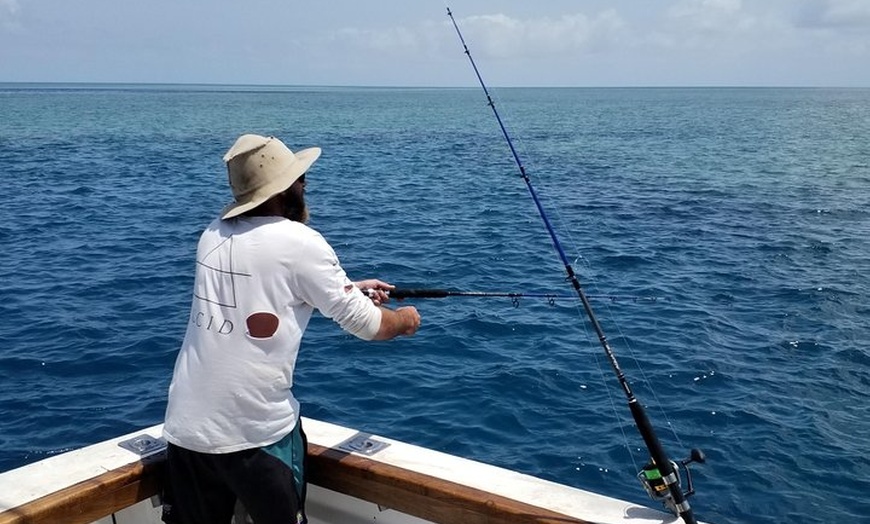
(269, 482)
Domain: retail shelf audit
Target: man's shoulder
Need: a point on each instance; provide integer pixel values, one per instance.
(261, 225)
(275, 231)
(293, 228)
(287, 232)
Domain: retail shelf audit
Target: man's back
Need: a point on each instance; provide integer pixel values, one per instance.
(258, 280)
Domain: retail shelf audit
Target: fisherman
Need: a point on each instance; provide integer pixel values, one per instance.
(232, 423)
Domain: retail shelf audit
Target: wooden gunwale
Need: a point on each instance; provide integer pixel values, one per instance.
(94, 498)
(390, 486)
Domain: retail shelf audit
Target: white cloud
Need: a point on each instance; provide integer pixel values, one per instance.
(728, 28)
(678, 42)
(594, 42)
(711, 17)
(9, 10)
(9, 7)
(395, 39)
(833, 14)
(494, 35)
(502, 36)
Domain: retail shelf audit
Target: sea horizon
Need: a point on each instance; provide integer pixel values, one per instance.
(258, 86)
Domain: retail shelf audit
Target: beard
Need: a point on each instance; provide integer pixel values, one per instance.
(294, 205)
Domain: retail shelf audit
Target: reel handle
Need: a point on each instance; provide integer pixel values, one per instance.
(695, 455)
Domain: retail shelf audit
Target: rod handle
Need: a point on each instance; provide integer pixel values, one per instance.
(418, 293)
(400, 293)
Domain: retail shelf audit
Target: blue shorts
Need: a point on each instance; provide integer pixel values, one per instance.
(203, 488)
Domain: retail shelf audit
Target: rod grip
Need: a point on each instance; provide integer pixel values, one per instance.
(418, 293)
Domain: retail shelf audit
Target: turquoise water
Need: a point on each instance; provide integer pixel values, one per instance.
(746, 212)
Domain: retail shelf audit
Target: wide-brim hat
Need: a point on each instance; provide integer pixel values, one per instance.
(261, 167)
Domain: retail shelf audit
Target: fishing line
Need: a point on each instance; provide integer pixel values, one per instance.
(616, 415)
(661, 476)
(633, 354)
(631, 351)
(619, 418)
(630, 347)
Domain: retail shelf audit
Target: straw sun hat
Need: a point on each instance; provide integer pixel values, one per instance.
(259, 168)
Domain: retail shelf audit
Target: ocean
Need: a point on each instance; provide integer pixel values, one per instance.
(722, 233)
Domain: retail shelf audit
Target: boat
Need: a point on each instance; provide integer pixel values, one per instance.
(354, 477)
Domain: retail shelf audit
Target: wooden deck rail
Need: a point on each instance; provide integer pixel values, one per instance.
(390, 486)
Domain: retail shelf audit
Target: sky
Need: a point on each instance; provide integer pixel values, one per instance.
(412, 43)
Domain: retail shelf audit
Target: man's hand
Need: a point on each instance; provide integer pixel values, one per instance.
(411, 319)
(376, 290)
(403, 321)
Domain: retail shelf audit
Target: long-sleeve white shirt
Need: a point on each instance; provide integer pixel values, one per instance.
(258, 280)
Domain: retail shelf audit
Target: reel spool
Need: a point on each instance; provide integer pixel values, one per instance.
(657, 488)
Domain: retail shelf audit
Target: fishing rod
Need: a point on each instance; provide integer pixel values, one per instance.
(661, 477)
(403, 293)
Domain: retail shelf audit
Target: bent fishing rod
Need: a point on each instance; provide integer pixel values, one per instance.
(660, 478)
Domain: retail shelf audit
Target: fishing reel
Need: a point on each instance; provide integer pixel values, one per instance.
(656, 486)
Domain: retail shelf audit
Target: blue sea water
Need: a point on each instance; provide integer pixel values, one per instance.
(746, 212)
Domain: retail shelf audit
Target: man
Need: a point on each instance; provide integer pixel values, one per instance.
(232, 422)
